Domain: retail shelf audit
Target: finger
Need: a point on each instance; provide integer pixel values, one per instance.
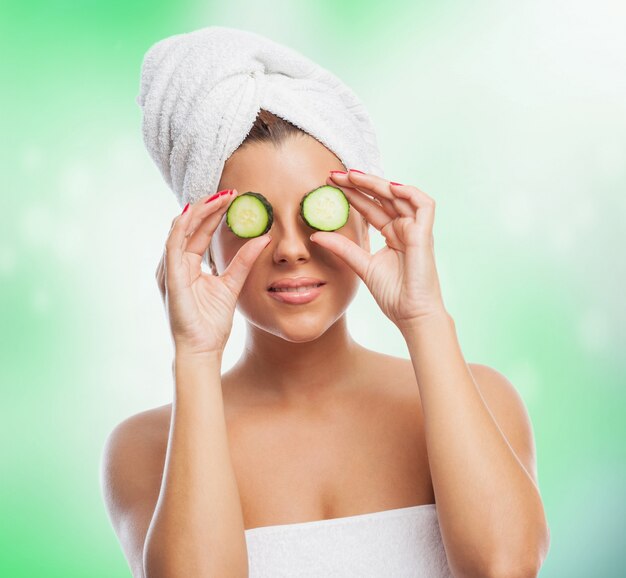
(382, 220)
(236, 273)
(368, 207)
(423, 204)
(160, 270)
(174, 247)
(379, 187)
(394, 206)
(199, 240)
(355, 257)
(385, 203)
(375, 186)
(209, 206)
(160, 277)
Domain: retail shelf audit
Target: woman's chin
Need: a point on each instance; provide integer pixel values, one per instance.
(299, 332)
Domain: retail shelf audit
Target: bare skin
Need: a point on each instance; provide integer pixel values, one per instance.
(317, 426)
(357, 451)
(310, 445)
(306, 444)
(284, 341)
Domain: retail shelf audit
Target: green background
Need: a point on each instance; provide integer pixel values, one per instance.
(511, 115)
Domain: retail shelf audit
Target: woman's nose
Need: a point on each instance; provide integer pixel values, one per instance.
(291, 242)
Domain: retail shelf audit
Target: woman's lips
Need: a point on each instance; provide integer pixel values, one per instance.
(297, 298)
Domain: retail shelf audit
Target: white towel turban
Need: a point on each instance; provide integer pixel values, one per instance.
(201, 92)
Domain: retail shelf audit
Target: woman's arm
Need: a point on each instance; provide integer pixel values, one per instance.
(490, 511)
(197, 528)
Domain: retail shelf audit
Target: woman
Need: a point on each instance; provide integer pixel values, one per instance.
(312, 455)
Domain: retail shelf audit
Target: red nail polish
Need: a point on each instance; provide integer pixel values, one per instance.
(218, 194)
(340, 172)
(396, 183)
(356, 171)
(186, 207)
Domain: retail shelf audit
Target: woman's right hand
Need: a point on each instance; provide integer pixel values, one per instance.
(200, 306)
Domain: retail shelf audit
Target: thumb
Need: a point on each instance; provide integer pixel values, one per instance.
(236, 273)
(347, 250)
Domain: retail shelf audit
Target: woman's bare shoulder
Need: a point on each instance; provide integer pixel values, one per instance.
(131, 473)
(137, 445)
(400, 369)
(392, 371)
(149, 426)
(396, 375)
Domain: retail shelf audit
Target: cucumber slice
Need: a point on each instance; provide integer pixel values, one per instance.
(325, 208)
(250, 215)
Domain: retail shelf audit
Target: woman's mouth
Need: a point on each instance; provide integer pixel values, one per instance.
(296, 295)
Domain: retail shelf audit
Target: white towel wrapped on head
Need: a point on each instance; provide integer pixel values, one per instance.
(201, 92)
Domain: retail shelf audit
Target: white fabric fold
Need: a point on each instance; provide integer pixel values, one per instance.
(201, 91)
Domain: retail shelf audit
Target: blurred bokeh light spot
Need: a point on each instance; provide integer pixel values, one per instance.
(75, 181)
(31, 158)
(40, 300)
(594, 331)
(8, 260)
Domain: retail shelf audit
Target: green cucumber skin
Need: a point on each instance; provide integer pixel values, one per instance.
(302, 202)
(268, 208)
(270, 211)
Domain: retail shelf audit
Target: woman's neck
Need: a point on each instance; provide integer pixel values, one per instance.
(298, 373)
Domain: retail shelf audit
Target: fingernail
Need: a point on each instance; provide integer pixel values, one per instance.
(186, 207)
(396, 183)
(218, 194)
(340, 172)
(357, 171)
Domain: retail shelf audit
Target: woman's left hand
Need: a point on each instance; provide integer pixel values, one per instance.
(402, 276)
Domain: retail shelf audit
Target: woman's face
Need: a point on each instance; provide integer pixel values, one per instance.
(284, 175)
